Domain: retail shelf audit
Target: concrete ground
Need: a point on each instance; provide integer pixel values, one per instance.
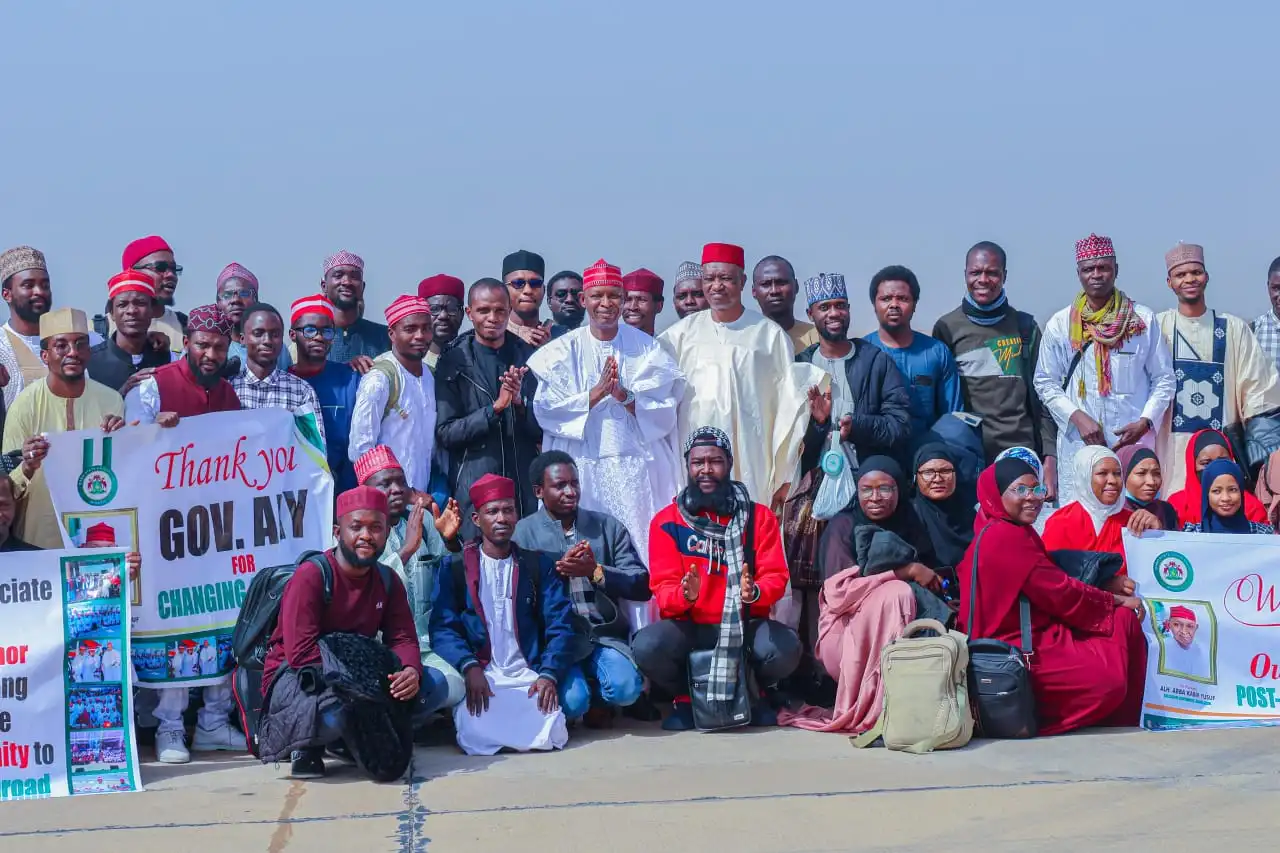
(638, 789)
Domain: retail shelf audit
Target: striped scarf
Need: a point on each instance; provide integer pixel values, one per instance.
(1108, 328)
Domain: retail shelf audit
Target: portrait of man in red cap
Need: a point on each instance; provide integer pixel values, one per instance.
(1188, 640)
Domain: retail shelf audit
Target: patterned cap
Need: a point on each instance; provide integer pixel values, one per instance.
(316, 304)
(405, 306)
(1180, 612)
(688, 271)
(824, 286)
(708, 436)
(100, 534)
(234, 270)
(601, 274)
(1183, 253)
(643, 281)
(343, 259)
(208, 318)
(139, 281)
(373, 460)
(361, 498)
(1094, 246)
(21, 258)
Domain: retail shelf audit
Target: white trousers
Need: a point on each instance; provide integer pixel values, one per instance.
(172, 703)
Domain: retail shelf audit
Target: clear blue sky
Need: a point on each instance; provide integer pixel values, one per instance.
(436, 137)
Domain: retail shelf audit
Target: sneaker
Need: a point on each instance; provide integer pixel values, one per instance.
(307, 764)
(222, 738)
(171, 748)
(339, 750)
(681, 719)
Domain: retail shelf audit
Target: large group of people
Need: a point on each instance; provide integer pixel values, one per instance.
(573, 505)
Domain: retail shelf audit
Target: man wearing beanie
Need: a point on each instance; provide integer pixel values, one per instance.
(522, 273)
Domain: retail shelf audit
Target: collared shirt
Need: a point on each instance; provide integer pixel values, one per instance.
(112, 366)
(409, 429)
(1266, 328)
(363, 337)
(278, 390)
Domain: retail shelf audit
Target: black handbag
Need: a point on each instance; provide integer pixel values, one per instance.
(708, 715)
(999, 673)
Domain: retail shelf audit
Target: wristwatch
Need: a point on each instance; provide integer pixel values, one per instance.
(630, 398)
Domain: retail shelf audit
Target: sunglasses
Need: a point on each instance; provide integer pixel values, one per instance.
(161, 267)
(1022, 492)
(313, 332)
(232, 294)
(522, 283)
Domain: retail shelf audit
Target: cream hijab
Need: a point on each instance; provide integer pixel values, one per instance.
(1086, 459)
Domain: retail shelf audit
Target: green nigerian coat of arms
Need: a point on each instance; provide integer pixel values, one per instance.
(1173, 571)
(97, 484)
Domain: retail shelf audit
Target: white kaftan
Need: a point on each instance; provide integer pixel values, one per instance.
(743, 378)
(409, 429)
(1193, 661)
(513, 720)
(628, 464)
(1142, 386)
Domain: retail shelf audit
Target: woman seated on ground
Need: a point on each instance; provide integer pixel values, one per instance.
(1027, 455)
(945, 505)
(1090, 656)
(1095, 519)
(859, 613)
(1206, 446)
(1222, 507)
(1143, 480)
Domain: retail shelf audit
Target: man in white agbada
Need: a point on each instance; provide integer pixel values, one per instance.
(1182, 654)
(1223, 376)
(742, 377)
(607, 396)
(1104, 370)
(502, 618)
(111, 663)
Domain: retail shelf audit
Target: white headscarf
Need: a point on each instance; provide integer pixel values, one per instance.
(1086, 459)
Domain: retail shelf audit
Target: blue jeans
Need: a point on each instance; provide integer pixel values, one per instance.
(433, 694)
(620, 682)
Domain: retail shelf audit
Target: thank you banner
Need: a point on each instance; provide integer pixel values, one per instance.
(207, 503)
(65, 690)
(1213, 635)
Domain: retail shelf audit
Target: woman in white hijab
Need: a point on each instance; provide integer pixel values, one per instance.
(1095, 519)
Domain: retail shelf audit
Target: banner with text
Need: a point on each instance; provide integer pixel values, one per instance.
(206, 503)
(66, 696)
(1213, 646)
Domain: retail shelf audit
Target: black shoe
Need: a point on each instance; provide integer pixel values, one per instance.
(339, 750)
(307, 764)
(643, 710)
(681, 719)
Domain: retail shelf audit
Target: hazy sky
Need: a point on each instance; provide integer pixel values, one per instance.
(437, 137)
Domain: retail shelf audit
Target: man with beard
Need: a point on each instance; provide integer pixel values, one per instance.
(335, 384)
(1222, 377)
(358, 340)
(502, 618)
(925, 364)
(484, 399)
(396, 400)
(1266, 326)
(154, 255)
(444, 295)
(358, 602)
(564, 298)
(128, 350)
(65, 400)
(642, 300)
(522, 273)
(261, 384)
(774, 286)
(688, 294)
(742, 377)
(702, 578)
(607, 396)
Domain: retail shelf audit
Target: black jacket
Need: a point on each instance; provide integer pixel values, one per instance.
(477, 440)
(881, 408)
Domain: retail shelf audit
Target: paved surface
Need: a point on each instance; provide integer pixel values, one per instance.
(638, 789)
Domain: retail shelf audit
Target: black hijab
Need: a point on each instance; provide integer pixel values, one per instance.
(836, 549)
(949, 522)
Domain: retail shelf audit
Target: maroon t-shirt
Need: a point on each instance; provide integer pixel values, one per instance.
(359, 606)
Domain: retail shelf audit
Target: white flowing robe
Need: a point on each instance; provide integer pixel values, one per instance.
(1193, 661)
(627, 463)
(743, 378)
(513, 720)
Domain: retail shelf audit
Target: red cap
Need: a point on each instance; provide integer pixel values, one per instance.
(373, 460)
(135, 280)
(1180, 612)
(643, 280)
(140, 248)
(441, 285)
(405, 306)
(361, 498)
(100, 534)
(601, 274)
(723, 253)
(490, 488)
(317, 304)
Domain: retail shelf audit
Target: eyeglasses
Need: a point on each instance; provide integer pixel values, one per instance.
(62, 348)
(522, 283)
(936, 473)
(877, 491)
(1022, 492)
(161, 267)
(313, 332)
(232, 294)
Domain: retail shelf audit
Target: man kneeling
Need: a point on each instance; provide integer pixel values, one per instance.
(321, 643)
(702, 577)
(502, 619)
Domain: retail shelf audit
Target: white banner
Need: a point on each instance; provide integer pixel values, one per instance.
(1213, 645)
(207, 503)
(66, 698)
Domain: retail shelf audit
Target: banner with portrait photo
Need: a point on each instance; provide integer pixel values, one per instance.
(207, 503)
(66, 695)
(1213, 612)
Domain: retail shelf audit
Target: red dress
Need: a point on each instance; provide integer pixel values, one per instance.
(1187, 502)
(1071, 528)
(1089, 661)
